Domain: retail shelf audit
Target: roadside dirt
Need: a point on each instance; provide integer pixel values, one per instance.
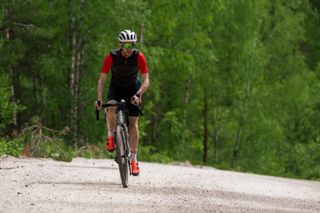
(44, 185)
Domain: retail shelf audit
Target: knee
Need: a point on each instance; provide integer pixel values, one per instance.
(111, 110)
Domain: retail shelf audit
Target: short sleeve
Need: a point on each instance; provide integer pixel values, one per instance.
(107, 64)
(142, 63)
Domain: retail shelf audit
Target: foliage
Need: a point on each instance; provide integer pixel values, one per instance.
(149, 153)
(234, 83)
(5, 105)
(40, 141)
(12, 147)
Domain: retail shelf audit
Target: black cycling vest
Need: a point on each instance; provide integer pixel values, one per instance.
(124, 71)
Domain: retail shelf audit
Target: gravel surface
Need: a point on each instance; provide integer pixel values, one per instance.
(45, 185)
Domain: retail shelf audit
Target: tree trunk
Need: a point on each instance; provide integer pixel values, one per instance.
(36, 89)
(215, 130)
(14, 79)
(186, 102)
(76, 71)
(79, 73)
(205, 127)
(141, 34)
(216, 146)
(154, 122)
(242, 121)
(154, 132)
(235, 151)
(73, 46)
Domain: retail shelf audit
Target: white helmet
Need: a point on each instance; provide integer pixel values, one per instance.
(127, 36)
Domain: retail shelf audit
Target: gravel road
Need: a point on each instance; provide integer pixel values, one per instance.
(45, 185)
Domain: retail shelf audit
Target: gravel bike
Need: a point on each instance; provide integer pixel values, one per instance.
(121, 140)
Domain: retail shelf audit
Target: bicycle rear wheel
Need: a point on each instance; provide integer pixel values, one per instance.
(122, 155)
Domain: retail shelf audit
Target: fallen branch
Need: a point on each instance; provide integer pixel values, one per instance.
(26, 26)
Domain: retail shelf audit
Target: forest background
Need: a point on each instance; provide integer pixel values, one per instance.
(234, 84)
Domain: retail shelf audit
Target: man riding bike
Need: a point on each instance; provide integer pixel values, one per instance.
(125, 64)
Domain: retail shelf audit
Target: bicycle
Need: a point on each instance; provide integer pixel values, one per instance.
(121, 141)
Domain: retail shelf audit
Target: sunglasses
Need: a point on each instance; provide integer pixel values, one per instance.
(128, 46)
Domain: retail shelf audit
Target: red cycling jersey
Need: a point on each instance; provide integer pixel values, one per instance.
(142, 64)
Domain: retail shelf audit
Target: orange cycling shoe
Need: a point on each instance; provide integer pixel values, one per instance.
(135, 168)
(110, 146)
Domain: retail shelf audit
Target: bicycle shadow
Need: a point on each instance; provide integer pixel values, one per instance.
(79, 185)
(112, 167)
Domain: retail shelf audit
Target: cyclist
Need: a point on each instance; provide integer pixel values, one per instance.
(125, 63)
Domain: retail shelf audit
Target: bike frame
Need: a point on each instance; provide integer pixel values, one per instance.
(121, 140)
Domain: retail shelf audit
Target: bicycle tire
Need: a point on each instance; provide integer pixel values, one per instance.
(122, 156)
(127, 146)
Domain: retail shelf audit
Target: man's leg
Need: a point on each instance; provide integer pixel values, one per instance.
(134, 142)
(111, 123)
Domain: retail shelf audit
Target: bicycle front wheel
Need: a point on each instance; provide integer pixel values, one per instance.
(122, 155)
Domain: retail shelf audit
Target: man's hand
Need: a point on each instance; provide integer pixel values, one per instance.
(98, 104)
(135, 100)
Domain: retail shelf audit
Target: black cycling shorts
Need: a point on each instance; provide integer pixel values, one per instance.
(126, 93)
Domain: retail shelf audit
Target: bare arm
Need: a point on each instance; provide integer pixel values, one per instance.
(136, 99)
(145, 83)
(101, 81)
